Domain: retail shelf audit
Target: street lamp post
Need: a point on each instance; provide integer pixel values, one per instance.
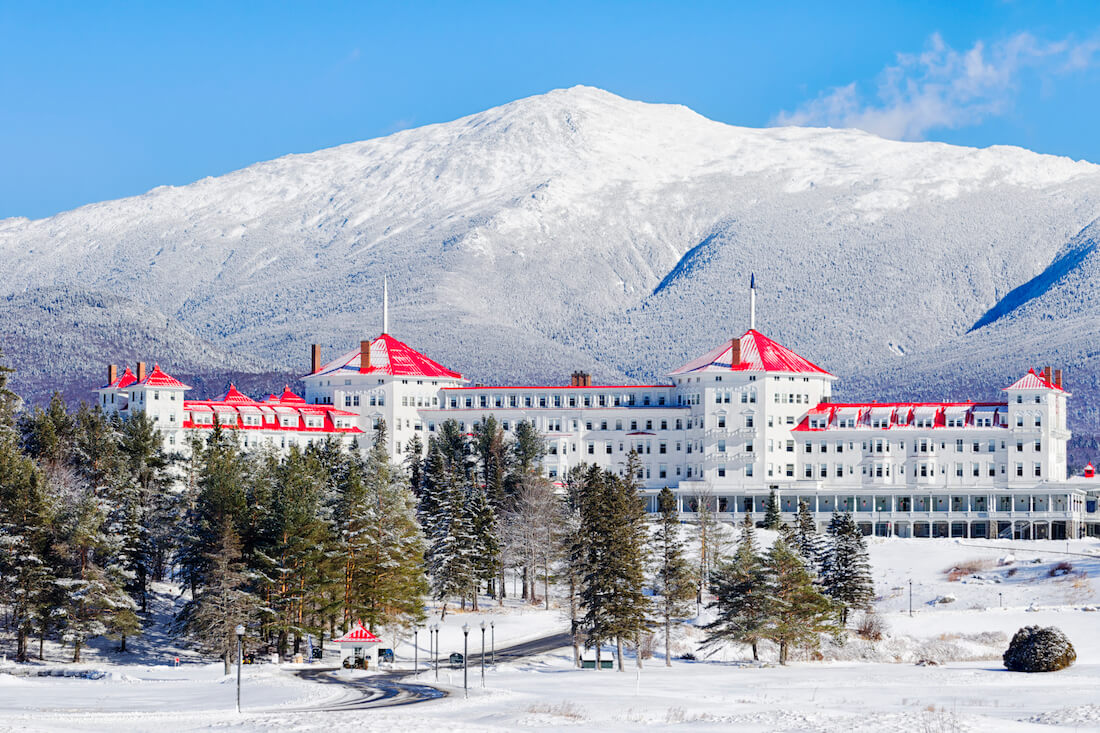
(465, 659)
(416, 649)
(240, 658)
(1000, 600)
(910, 597)
(435, 632)
(482, 653)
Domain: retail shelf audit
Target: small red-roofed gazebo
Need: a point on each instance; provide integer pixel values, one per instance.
(358, 643)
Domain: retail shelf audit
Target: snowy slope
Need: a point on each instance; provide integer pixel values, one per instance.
(580, 229)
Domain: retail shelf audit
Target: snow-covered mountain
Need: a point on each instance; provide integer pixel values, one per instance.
(580, 229)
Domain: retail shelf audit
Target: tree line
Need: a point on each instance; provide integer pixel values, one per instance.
(93, 511)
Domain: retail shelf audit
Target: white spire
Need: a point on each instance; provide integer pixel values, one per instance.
(752, 302)
(385, 305)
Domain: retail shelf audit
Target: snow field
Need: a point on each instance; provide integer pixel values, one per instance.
(968, 689)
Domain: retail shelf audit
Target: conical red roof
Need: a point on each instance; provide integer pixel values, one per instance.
(234, 397)
(158, 378)
(123, 381)
(1032, 380)
(758, 353)
(390, 356)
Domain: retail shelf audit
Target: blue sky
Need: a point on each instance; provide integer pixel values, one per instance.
(101, 100)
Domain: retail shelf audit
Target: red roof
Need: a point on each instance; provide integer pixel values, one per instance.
(122, 382)
(1032, 380)
(230, 406)
(157, 378)
(390, 356)
(233, 397)
(286, 396)
(360, 634)
(900, 414)
(758, 353)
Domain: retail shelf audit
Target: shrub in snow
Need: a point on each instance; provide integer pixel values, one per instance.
(1062, 568)
(946, 599)
(871, 626)
(1039, 649)
(1007, 560)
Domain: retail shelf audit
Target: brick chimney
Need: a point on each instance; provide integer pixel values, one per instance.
(112, 373)
(364, 357)
(1058, 378)
(1046, 374)
(735, 353)
(580, 379)
(141, 371)
(314, 358)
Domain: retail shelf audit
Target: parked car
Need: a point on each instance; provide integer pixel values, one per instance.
(456, 661)
(385, 655)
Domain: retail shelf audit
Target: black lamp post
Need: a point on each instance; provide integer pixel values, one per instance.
(493, 641)
(465, 659)
(240, 658)
(910, 597)
(483, 653)
(1000, 600)
(416, 649)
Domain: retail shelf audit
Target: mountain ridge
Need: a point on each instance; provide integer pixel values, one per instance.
(578, 229)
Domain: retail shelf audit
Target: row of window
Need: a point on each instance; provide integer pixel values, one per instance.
(485, 401)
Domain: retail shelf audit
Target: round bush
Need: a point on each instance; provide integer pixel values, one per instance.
(1038, 649)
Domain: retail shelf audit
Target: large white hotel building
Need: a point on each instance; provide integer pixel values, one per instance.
(726, 429)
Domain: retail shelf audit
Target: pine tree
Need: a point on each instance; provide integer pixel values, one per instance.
(807, 541)
(224, 601)
(846, 569)
(673, 581)
(450, 555)
(487, 542)
(571, 549)
(797, 614)
(741, 595)
(614, 529)
(385, 546)
(772, 519)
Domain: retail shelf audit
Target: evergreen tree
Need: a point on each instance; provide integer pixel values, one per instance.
(613, 525)
(451, 542)
(384, 545)
(741, 595)
(673, 581)
(807, 541)
(797, 614)
(571, 550)
(846, 570)
(487, 541)
(772, 519)
(48, 434)
(26, 577)
(224, 600)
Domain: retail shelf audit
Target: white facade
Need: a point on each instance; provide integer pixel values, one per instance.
(752, 417)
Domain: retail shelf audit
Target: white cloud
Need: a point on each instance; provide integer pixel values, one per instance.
(941, 87)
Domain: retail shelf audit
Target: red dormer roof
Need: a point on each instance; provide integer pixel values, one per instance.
(122, 382)
(234, 397)
(288, 396)
(758, 353)
(157, 378)
(390, 356)
(1032, 380)
(358, 633)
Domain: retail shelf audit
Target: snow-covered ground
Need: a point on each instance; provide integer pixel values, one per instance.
(859, 687)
